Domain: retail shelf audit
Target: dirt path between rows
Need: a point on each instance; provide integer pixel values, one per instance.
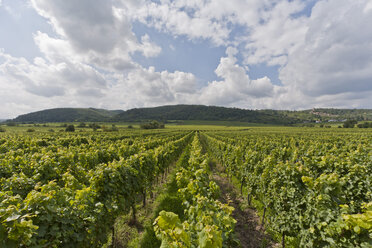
(247, 227)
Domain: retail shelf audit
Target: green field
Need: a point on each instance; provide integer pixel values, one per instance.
(185, 185)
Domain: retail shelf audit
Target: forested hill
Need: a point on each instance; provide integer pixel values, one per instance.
(205, 113)
(194, 112)
(69, 115)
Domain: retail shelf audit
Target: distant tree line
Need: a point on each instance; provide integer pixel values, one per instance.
(192, 112)
(152, 125)
(352, 123)
(365, 125)
(94, 126)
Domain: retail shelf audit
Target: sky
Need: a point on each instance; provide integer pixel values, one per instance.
(122, 54)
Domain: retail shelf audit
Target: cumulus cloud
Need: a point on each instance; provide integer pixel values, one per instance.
(324, 59)
(335, 55)
(77, 84)
(270, 41)
(236, 84)
(43, 79)
(148, 48)
(183, 18)
(101, 36)
(268, 21)
(161, 87)
(96, 30)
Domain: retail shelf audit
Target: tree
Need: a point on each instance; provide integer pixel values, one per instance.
(114, 128)
(82, 125)
(70, 128)
(11, 124)
(152, 125)
(365, 125)
(94, 126)
(350, 123)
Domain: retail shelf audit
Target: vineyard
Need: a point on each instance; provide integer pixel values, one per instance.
(309, 187)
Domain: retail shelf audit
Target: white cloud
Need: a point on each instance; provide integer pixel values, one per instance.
(149, 85)
(101, 36)
(214, 20)
(271, 41)
(148, 48)
(335, 56)
(180, 82)
(89, 64)
(324, 59)
(39, 85)
(48, 80)
(170, 17)
(236, 84)
(161, 87)
(368, 7)
(98, 29)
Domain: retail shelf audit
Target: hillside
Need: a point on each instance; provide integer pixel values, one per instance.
(68, 115)
(327, 114)
(194, 112)
(204, 113)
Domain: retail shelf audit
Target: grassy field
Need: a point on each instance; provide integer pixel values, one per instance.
(185, 125)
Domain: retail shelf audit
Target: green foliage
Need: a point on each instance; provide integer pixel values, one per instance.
(70, 128)
(359, 222)
(94, 126)
(206, 113)
(16, 226)
(328, 114)
(82, 125)
(152, 125)
(194, 112)
(354, 230)
(68, 115)
(171, 231)
(208, 222)
(11, 123)
(112, 129)
(171, 203)
(149, 239)
(350, 123)
(313, 186)
(365, 125)
(67, 190)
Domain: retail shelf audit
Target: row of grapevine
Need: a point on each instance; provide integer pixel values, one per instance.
(208, 222)
(76, 205)
(21, 169)
(316, 188)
